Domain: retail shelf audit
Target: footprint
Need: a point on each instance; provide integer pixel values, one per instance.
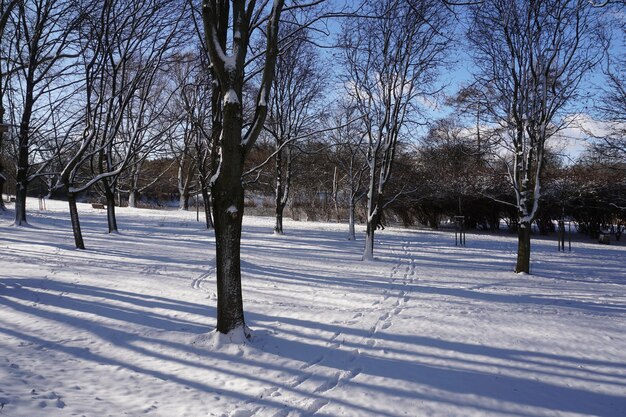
(314, 406)
(240, 413)
(299, 380)
(328, 385)
(312, 363)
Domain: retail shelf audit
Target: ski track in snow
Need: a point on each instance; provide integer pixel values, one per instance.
(198, 283)
(389, 304)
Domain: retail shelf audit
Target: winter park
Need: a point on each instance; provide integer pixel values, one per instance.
(294, 208)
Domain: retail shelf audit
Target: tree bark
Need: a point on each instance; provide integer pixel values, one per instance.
(133, 198)
(351, 220)
(523, 248)
(2, 177)
(368, 253)
(2, 181)
(22, 177)
(110, 202)
(23, 163)
(20, 203)
(78, 235)
(228, 197)
(278, 227)
(228, 211)
(206, 198)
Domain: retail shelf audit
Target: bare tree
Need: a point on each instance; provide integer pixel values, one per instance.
(612, 107)
(124, 50)
(390, 62)
(347, 138)
(45, 52)
(197, 149)
(294, 110)
(6, 8)
(228, 28)
(532, 55)
(144, 34)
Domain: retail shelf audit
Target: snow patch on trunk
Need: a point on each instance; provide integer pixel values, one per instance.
(231, 97)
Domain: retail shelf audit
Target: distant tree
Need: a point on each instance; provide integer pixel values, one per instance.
(531, 57)
(294, 110)
(390, 61)
(194, 100)
(453, 162)
(119, 76)
(46, 49)
(347, 138)
(612, 107)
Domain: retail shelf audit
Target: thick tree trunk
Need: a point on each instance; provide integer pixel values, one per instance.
(133, 198)
(278, 227)
(20, 203)
(21, 183)
(2, 181)
(110, 202)
(2, 177)
(183, 202)
(23, 163)
(78, 235)
(228, 212)
(228, 196)
(523, 248)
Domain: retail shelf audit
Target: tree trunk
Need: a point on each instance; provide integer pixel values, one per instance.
(368, 253)
(110, 202)
(278, 191)
(228, 213)
(183, 202)
(278, 228)
(23, 163)
(523, 248)
(351, 229)
(2, 177)
(22, 180)
(206, 198)
(20, 203)
(133, 198)
(78, 235)
(228, 195)
(2, 181)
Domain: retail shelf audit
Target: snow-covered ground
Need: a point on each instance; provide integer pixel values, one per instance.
(429, 329)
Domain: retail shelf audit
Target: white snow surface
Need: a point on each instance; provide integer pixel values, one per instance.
(231, 97)
(429, 329)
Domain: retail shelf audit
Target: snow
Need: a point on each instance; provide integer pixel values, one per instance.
(231, 97)
(429, 329)
(231, 210)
